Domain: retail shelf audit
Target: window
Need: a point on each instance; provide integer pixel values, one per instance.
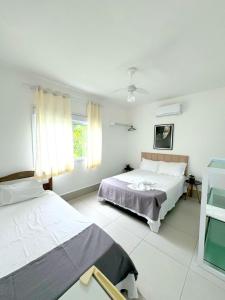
(80, 139)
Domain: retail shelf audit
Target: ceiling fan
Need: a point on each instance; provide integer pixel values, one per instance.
(132, 89)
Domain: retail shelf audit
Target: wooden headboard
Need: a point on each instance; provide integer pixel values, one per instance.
(166, 157)
(25, 174)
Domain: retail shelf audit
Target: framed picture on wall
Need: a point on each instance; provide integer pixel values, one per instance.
(163, 136)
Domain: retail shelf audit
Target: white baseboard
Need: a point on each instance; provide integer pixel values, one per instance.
(80, 192)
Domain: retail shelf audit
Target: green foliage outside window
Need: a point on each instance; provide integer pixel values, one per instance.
(80, 139)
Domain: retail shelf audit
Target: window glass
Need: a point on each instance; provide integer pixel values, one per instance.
(80, 139)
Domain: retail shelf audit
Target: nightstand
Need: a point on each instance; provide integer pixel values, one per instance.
(190, 188)
(128, 168)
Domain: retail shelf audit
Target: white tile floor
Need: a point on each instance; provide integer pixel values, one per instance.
(166, 261)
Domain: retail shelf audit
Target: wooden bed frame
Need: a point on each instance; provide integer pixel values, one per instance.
(26, 174)
(167, 158)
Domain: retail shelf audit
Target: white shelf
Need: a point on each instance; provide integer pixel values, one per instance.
(215, 212)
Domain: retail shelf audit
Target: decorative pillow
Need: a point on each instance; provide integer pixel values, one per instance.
(13, 192)
(171, 168)
(149, 165)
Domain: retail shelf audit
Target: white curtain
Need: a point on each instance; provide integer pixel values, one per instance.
(54, 140)
(94, 148)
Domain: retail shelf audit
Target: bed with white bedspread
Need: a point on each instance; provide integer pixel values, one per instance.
(46, 245)
(150, 191)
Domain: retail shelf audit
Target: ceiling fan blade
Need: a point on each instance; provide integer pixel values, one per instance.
(142, 91)
(119, 90)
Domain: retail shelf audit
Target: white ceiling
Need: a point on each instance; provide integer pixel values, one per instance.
(178, 46)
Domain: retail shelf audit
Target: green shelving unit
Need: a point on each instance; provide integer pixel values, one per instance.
(211, 248)
(217, 198)
(217, 163)
(215, 244)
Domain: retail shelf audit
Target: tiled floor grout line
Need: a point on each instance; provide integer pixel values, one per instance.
(188, 270)
(135, 247)
(102, 213)
(205, 278)
(116, 219)
(185, 279)
(110, 223)
(202, 276)
(188, 267)
(180, 230)
(138, 236)
(168, 255)
(161, 251)
(142, 238)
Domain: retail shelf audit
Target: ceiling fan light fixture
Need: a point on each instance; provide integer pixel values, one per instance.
(132, 89)
(130, 97)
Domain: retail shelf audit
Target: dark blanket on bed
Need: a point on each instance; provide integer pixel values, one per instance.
(147, 203)
(49, 276)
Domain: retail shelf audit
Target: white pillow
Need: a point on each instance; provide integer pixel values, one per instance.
(149, 165)
(172, 168)
(13, 192)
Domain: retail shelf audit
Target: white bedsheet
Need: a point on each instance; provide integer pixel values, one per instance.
(34, 227)
(172, 185)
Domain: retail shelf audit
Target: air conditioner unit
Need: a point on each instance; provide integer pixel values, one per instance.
(168, 110)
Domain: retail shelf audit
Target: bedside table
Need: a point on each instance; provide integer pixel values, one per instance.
(128, 170)
(190, 188)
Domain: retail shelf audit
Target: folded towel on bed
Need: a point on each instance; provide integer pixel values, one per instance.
(143, 186)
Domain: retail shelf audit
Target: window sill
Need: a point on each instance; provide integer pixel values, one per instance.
(79, 159)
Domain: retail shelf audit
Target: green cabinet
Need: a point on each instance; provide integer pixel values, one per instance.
(211, 248)
(215, 244)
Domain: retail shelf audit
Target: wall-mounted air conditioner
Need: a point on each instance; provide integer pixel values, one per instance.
(168, 110)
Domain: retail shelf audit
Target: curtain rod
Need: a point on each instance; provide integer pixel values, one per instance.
(57, 93)
(47, 90)
(73, 114)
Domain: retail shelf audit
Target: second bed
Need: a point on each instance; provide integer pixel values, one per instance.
(148, 192)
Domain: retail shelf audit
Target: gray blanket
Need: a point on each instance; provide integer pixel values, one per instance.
(49, 276)
(147, 203)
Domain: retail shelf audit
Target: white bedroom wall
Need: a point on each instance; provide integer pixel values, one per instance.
(16, 101)
(198, 132)
(15, 124)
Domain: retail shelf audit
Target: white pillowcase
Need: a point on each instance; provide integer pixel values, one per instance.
(171, 168)
(13, 192)
(149, 165)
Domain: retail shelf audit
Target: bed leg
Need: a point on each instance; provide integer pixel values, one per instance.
(154, 226)
(100, 199)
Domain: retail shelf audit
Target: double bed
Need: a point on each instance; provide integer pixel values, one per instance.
(46, 245)
(164, 189)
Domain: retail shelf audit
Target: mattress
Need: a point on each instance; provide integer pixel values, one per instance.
(46, 229)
